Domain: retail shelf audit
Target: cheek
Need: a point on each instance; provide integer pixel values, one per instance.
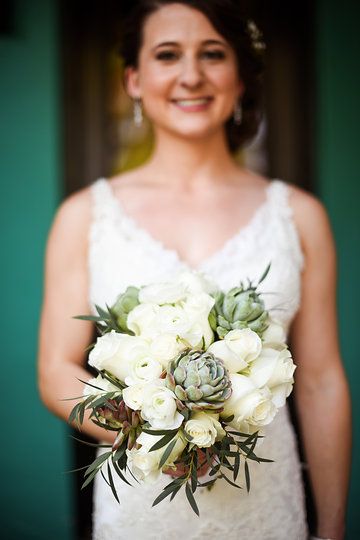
(226, 80)
(155, 81)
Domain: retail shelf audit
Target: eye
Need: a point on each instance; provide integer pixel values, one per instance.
(214, 54)
(166, 56)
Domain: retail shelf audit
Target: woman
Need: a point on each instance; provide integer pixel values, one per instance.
(194, 67)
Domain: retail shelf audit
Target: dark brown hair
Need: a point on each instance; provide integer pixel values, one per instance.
(228, 17)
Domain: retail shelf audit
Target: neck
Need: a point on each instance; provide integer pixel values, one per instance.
(191, 163)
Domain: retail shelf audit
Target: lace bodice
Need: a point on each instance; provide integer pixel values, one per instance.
(120, 254)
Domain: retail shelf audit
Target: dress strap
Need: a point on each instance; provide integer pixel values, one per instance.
(102, 200)
(278, 197)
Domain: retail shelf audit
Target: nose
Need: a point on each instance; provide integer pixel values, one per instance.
(191, 75)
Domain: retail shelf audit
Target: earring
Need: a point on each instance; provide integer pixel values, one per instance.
(237, 116)
(138, 113)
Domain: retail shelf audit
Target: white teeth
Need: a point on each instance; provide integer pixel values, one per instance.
(189, 102)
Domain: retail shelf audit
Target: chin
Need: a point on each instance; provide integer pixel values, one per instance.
(194, 130)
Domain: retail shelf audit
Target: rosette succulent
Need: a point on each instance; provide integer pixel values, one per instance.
(239, 308)
(125, 303)
(199, 380)
(119, 416)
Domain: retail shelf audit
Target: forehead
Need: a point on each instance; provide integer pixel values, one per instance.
(177, 22)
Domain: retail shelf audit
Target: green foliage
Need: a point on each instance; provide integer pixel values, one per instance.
(241, 307)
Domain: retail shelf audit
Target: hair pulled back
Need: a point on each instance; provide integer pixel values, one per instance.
(229, 19)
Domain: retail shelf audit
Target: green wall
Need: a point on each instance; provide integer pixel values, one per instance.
(339, 186)
(35, 500)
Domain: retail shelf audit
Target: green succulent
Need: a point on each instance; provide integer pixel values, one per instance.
(125, 303)
(239, 308)
(199, 380)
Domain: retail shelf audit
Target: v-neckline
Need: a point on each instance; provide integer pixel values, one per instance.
(162, 248)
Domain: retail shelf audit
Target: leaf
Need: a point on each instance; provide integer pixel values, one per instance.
(119, 473)
(170, 488)
(93, 318)
(76, 470)
(97, 463)
(229, 481)
(90, 478)
(119, 453)
(162, 442)
(167, 453)
(104, 477)
(130, 472)
(104, 426)
(113, 320)
(73, 414)
(208, 483)
(228, 419)
(191, 499)
(247, 476)
(71, 398)
(103, 314)
(160, 431)
(95, 445)
(240, 434)
(175, 492)
(264, 274)
(236, 466)
(113, 380)
(194, 476)
(112, 485)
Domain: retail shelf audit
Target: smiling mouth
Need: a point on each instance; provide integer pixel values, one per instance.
(192, 102)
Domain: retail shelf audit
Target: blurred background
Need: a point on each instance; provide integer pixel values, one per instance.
(65, 121)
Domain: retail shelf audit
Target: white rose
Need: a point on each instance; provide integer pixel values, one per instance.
(145, 464)
(143, 369)
(103, 385)
(141, 319)
(162, 293)
(172, 320)
(115, 352)
(197, 282)
(280, 393)
(134, 396)
(275, 333)
(251, 406)
(237, 349)
(166, 347)
(197, 307)
(203, 429)
(275, 369)
(159, 407)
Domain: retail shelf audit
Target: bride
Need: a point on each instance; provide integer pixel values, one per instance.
(194, 68)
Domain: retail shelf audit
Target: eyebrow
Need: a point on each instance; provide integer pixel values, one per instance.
(176, 44)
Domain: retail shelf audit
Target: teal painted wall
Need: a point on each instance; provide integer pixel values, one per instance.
(35, 502)
(339, 186)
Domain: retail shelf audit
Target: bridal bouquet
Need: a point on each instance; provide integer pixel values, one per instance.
(187, 377)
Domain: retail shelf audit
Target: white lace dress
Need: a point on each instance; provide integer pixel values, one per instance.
(121, 253)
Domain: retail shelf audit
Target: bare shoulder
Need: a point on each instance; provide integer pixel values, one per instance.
(311, 219)
(71, 221)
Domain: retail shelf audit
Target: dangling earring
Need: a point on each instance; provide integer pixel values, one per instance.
(138, 113)
(237, 116)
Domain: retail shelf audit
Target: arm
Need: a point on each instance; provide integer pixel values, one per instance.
(62, 339)
(321, 390)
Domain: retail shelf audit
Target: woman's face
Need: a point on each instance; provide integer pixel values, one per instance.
(187, 73)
